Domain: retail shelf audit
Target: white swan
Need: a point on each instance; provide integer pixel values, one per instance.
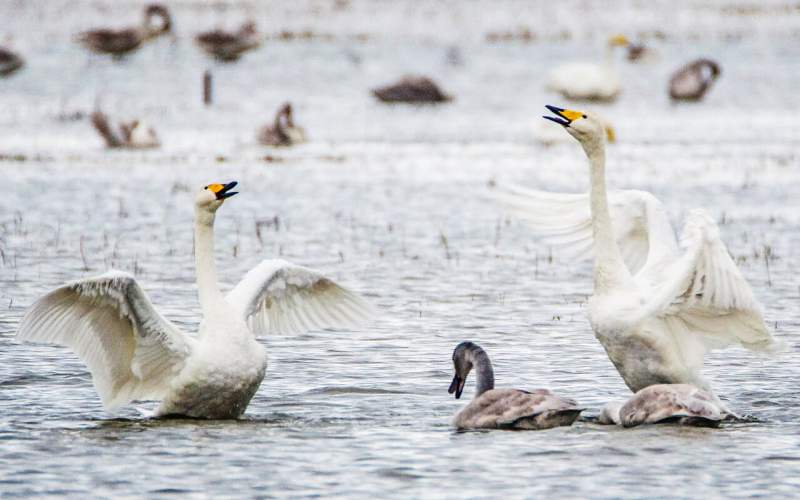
(589, 81)
(681, 403)
(134, 353)
(492, 408)
(655, 310)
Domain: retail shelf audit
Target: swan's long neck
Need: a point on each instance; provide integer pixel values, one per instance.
(484, 374)
(609, 55)
(609, 269)
(206, 270)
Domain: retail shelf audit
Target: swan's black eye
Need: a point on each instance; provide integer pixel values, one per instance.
(584, 116)
(205, 187)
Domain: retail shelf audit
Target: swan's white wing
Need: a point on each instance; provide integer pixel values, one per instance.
(281, 297)
(110, 323)
(708, 293)
(641, 225)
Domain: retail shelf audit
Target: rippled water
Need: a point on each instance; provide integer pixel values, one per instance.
(394, 202)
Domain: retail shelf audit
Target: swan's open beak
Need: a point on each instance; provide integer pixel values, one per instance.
(563, 116)
(457, 386)
(223, 191)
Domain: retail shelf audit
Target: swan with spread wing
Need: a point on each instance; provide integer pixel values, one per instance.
(134, 353)
(659, 303)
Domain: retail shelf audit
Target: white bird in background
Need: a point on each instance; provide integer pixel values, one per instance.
(134, 353)
(655, 310)
(589, 81)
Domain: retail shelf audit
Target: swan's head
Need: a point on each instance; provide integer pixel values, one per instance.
(618, 41)
(462, 362)
(210, 198)
(585, 127)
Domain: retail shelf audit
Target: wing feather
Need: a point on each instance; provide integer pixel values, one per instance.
(706, 290)
(281, 297)
(110, 323)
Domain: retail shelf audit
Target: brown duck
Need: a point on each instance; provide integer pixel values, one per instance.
(691, 82)
(413, 89)
(9, 62)
(122, 41)
(229, 46)
(283, 132)
(134, 134)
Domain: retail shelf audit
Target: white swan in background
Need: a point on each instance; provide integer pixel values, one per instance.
(655, 310)
(664, 403)
(589, 81)
(492, 408)
(134, 353)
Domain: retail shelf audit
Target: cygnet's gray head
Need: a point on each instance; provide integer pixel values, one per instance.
(462, 362)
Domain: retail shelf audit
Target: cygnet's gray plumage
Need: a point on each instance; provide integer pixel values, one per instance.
(691, 82)
(493, 408)
(663, 403)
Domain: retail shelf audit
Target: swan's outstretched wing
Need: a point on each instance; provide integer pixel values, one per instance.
(708, 293)
(108, 320)
(281, 297)
(641, 225)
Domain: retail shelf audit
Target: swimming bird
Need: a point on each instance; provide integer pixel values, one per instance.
(655, 309)
(493, 408)
(665, 403)
(229, 46)
(135, 134)
(122, 41)
(283, 131)
(691, 82)
(589, 81)
(134, 353)
(9, 62)
(412, 89)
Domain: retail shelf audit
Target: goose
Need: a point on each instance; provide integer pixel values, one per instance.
(655, 309)
(412, 89)
(125, 40)
(691, 82)
(589, 81)
(492, 408)
(135, 353)
(135, 134)
(664, 403)
(283, 132)
(229, 46)
(9, 62)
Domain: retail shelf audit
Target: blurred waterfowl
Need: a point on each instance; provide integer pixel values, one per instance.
(9, 62)
(691, 82)
(412, 89)
(589, 81)
(655, 309)
(666, 403)
(492, 408)
(641, 53)
(135, 134)
(156, 22)
(283, 131)
(229, 46)
(134, 353)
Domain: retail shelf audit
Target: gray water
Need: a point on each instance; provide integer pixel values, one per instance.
(394, 202)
